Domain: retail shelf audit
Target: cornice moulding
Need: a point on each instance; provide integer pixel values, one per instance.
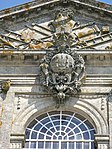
(33, 5)
(32, 52)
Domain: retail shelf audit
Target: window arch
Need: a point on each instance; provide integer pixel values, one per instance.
(60, 130)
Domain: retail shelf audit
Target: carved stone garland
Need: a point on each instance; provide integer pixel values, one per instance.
(62, 69)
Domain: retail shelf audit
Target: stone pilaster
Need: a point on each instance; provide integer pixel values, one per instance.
(6, 120)
(110, 122)
(110, 118)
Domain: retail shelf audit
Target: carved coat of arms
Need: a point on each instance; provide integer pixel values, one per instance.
(62, 69)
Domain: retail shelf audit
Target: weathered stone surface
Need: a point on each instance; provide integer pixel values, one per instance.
(27, 98)
(6, 119)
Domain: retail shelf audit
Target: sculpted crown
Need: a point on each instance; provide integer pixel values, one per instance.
(62, 27)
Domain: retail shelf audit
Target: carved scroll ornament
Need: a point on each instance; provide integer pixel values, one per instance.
(62, 73)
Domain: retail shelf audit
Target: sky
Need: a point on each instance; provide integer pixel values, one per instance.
(10, 3)
(106, 1)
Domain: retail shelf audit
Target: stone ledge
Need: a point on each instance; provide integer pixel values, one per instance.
(30, 51)
(17, 137)
(102, 138)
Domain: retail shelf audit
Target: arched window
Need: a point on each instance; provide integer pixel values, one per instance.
(60, 130)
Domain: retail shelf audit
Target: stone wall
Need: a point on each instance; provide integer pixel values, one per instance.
(27, 99)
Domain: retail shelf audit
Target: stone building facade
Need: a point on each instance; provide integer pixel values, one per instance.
(56, 75)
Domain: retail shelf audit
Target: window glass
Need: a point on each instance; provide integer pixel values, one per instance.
(37, 127)
(86, 135)
(71, 145)
(92, 134)
(47, 145)
(32, 124)
(76, 121)
(83, 127)
(27, 133)
(49, 125)
(63, 145)
(60, 130)
(40, 145)
(79, 145)
(44, 130)
(71, 138)
(76, 130)
(79, 137)
(41, 136)
(57, 122)
(86, 145)
(33, 145)
(27, 144)
(44, 121)
(55, 145)
(33, 135)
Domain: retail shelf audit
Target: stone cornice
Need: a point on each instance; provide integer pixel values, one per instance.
(43, 95)
(37, 52)
(25, 7)
(91, 81)
(35, 5)
(13, 57)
